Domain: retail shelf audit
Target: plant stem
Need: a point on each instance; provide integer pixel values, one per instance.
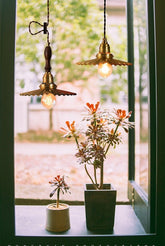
(102, 165)
(101, 175)
(114, 135)
(77, 143)
(95, 175)
(107, 148)
(58, 195)
(90, 177)
(117, 127)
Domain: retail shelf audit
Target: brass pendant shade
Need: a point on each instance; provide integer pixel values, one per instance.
(48, 86)
(104, 55)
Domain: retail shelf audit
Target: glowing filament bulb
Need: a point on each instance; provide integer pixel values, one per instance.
(48, 100)
(104, 69)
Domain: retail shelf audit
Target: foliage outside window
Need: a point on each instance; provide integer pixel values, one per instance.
(141, 94)
(75, 34)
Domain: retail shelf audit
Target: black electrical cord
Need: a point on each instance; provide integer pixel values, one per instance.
(104, 19)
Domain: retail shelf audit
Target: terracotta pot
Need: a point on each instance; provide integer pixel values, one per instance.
(57, 219)
(100, 208)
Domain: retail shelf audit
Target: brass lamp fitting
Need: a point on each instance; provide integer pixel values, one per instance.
(48, 85)
(104, 51)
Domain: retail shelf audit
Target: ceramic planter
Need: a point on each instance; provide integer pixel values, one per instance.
(100, 208)
(57, 219)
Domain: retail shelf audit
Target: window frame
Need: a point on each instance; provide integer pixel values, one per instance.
(7, 223)
(144, 205)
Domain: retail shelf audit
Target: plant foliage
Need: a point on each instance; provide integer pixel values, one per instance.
(100, 133)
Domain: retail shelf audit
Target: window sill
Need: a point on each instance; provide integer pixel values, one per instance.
(30, 221)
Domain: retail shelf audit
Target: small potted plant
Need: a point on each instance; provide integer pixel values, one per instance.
(101, 133)
(57, 214)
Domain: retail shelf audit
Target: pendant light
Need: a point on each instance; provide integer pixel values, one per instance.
(104, 59)
(48, 89)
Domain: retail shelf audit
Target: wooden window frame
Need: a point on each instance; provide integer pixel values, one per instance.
(144, 205)
(7, 211)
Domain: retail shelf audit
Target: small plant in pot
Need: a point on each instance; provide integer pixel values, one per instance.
(57, 214)
(101, 132)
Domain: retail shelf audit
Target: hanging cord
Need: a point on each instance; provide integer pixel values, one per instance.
(45, 25)
(104, 19)
(47, 22)
(48, 12)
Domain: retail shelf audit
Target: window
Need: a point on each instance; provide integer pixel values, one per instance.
(141, 95)
(40, 149)
(7, 236)
(142, 158)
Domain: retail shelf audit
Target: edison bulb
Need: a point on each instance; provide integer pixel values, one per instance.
(104, 69)
(48, 100)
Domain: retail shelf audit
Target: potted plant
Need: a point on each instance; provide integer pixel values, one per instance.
(101, 133)
(57, 214)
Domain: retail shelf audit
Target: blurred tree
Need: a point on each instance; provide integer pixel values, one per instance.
(75, 31)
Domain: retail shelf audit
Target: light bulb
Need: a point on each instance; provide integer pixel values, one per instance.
(105, 69)
(48, 100)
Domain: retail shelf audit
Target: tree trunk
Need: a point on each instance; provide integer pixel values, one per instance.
(51, 119)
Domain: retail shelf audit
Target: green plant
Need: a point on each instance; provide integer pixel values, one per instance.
(60, 185)
(101, 132)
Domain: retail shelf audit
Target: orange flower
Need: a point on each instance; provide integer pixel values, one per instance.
(112, 131)
(92, 108)
(60, 185)
(58, 178)
(70, 131)
(121, 114)
(71, 126)
(102, 121)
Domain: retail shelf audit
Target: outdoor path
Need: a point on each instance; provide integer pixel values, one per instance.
(45, 148)
(63, 148)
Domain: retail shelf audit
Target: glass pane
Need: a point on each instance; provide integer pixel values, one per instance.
(75, 34)
(141, 94)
